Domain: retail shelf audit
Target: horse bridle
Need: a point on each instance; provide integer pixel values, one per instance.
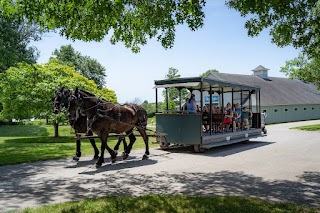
(62, 102)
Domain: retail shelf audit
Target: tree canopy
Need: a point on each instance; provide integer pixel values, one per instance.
(27, 90)
(291, 22)
(129, 21)
(304, 69)
(15, 36)
(173, 93)
(85, 65)
(207, 72)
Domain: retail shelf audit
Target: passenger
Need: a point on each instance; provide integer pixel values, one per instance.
(237, 116)
(205, 119)
(228, 115)
(192, 105)
(184, 107)
(246, 116)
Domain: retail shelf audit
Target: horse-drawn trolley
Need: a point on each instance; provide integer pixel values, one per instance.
(209, 126)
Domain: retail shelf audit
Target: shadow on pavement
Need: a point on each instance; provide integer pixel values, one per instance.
(25, 188)
(221, 151)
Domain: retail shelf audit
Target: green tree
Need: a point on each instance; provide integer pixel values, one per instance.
(15, 36)
(173, 93)
(207, 72)
(307, 70)
(129, 21)
(27, 90)
(291, 22)
(85, 65)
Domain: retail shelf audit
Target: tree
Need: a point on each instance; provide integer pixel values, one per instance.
(15, 36)
(173, 93)
(130, 21)
(307, 70)
(291, 22)
(27, 90)
(207, 72)
(85, 65)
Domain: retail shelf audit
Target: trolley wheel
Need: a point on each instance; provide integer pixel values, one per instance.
(164, 145)
(198, 149)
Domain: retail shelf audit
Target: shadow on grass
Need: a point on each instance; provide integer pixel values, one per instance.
(23, 131)
(40, 140)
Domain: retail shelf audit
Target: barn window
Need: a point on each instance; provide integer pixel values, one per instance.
(305, 108)
(275, 110)
(312, 108)
(295, 109)
(286, 110)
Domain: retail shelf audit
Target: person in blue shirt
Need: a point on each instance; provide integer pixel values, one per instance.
(192, 105)
(237, 116)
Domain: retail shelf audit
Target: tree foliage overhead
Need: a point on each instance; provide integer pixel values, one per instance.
(85, 65)
(173, 93)
(304, 69)
(291, 22)
(207, 72)
(15, 36)
(27, 90)
(130, 21)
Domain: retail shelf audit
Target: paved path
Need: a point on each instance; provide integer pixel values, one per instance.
(283, 166)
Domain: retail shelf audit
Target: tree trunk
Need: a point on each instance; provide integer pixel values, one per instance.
(47, 120)
(56, 130)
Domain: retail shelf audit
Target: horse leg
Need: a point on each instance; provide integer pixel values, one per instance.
(78, 149)
(94, 146)
(124, 143)
(132, 139)
(146, 142)
(96, 151)
(103, 137)
(116, 148)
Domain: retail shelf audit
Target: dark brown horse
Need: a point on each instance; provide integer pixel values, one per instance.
(105, 118)
(61, 100)
(64, 98)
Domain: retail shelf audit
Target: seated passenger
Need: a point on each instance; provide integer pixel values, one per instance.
(228, 115)
(205, 119)
(246, 116)
(237, 116)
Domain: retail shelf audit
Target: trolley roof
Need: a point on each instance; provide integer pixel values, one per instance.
(196, 82)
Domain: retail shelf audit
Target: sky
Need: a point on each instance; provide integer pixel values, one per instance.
(221, 44)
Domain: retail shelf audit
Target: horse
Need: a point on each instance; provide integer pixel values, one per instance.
(64, 98)
(105, 118)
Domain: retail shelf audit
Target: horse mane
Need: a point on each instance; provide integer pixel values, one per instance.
(86, 92)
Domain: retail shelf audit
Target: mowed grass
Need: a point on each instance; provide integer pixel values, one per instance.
(315, 127)
(29, 143)
(172, 204)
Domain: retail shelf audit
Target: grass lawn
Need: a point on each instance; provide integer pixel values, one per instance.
(315, 127)
(29, 143)
(172, 204)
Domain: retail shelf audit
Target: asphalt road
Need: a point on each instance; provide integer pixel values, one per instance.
(283, 166)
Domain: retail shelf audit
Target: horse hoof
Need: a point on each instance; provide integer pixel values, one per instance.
(124, 156)
(98, 165)
(145, 157)
(75, 158)
(115, 152)
(113, 160)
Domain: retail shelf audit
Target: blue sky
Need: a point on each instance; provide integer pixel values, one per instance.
(221, 44)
